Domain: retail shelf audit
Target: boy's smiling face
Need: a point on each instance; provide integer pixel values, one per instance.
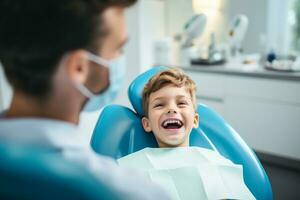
(171, 116)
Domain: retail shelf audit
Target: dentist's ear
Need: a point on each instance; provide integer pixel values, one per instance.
(146, 124)
(196, 121)
(77, 66)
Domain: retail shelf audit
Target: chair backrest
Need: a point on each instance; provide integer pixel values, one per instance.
(30, 173)
(119, 132)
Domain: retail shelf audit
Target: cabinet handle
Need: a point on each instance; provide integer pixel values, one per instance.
(215, 99)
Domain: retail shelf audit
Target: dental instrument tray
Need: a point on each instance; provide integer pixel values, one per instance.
(207, 62)
(283, 64)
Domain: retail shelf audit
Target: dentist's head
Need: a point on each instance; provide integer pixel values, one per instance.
(62, 56)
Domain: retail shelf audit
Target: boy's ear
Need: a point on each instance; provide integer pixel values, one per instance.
(196, 121)
(146, 124)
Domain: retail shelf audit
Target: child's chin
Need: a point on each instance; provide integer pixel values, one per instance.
(174, 141)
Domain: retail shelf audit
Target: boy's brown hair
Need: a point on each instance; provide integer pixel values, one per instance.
(171, 76)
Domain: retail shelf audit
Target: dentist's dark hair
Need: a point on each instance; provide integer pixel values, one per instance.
(35, 34)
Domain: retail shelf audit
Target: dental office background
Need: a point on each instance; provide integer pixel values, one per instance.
(263, 106)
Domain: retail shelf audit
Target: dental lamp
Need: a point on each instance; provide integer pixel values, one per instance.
(193, 28)
(236, 33)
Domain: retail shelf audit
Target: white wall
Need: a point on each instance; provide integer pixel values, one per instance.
(146, 23)
(177, 13)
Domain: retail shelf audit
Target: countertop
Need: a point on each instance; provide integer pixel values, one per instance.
(249, 70)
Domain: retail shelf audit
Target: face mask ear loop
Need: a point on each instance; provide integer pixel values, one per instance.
(97, 59)
(83, 90)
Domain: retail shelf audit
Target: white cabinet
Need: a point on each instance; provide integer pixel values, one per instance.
(265, 89)
(265, 125)
(265, 112)
(210, 90)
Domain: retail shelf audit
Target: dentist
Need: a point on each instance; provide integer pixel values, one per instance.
(62, 57)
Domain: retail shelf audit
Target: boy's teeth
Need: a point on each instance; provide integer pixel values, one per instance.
(171, 121)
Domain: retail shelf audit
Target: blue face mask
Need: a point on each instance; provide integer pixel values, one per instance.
(116, 78)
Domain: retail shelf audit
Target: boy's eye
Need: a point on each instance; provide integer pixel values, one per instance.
(158, 105)
(182, 103)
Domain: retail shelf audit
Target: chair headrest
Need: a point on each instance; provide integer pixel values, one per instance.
(136, 88)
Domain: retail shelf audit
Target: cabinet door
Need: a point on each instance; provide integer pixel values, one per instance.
(210, 90)
(266, 125)
(214, 103)
(281, 91)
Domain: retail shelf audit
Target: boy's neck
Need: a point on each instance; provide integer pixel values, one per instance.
(164, 145)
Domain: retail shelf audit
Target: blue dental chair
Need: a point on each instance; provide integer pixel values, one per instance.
(28, 173)
(119, 132)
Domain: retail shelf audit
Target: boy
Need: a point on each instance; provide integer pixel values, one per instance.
(169, 105)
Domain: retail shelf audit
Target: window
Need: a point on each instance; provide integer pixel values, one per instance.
(294, 19)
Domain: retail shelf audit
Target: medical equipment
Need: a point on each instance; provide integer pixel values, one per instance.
(236, 33)
(178, 49)
(119, 132)
(283, 63)
(193, 28)
(214, 56)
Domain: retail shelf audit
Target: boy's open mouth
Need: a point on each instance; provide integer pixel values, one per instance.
(172, 124)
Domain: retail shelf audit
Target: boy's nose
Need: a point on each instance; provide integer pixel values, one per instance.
(172, 111)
